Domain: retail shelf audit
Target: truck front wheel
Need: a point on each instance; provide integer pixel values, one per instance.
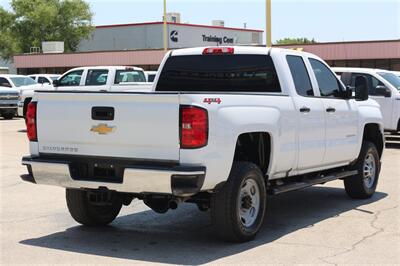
(363, 185)
(238, 207)
(87, 212)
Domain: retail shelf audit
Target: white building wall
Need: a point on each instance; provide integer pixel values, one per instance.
(150, 36)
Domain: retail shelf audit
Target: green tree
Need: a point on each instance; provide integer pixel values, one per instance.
(295, 41)
(30, 22)
(8, 42)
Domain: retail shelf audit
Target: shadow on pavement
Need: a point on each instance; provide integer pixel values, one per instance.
(185, 236)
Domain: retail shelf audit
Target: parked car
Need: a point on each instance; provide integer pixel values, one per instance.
(8, 99)
(104, 78)
(222, 128)
(101, 78)
(23, 84)
(150, 75)
(383, 86)
(45, 79)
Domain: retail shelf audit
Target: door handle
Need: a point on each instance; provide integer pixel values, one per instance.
(102, 113)
(331, 110)
(305, 109)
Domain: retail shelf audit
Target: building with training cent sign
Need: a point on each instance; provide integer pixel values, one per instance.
(141, 44)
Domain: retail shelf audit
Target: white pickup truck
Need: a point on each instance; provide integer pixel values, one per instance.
(96, 78)
(383, 86)
(223, 127)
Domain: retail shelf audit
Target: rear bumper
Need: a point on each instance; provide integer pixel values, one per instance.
(177, 180)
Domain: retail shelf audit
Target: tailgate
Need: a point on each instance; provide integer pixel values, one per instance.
(143, 126)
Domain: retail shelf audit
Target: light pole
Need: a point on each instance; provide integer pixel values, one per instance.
(268, 23)
(165, 26)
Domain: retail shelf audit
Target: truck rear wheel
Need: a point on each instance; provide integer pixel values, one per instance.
(363, 185)
(87, 213)
(238, 207)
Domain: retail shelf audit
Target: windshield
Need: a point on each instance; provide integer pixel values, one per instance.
(22, 81)
(391, 78)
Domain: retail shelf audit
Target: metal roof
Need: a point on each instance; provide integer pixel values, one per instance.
(175, 24)
(328, 51)
(382, 49)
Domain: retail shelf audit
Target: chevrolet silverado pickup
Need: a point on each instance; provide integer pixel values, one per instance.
(222, 128)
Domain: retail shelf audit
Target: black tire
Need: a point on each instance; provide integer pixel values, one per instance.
(360, 186)
(224, 204)
(8, 116)
(88, 214)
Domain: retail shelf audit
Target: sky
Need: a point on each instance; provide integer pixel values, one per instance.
(323, 20)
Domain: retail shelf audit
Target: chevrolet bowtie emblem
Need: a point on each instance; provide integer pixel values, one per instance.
(103, 129)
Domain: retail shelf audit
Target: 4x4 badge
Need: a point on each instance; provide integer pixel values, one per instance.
(103, 129)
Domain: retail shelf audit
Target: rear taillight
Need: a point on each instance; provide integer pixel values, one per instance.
(194, 127)
(31, 121)
(218, 50)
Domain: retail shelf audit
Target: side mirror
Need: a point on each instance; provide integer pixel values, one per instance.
(56, 83)
(381, 90)
(361, 89)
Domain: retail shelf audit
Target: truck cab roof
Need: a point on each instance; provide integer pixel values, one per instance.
(236, 50)
(107, 67)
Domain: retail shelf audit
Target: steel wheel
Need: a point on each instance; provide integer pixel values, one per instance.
(369, 170)
(249, 202)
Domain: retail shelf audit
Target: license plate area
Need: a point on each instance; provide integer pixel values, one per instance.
(97, 171)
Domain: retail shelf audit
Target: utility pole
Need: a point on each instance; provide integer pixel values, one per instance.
(268, 23)
(165, 26)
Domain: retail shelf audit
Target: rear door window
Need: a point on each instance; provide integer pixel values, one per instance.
(42, 80)
(151, 77)
(219, 73)
(96, 77)
(129, 75)
(300, 75)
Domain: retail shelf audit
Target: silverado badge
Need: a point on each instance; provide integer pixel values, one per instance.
(103, 129)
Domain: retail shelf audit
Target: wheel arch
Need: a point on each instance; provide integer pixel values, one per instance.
(255, 147)
(373, 133)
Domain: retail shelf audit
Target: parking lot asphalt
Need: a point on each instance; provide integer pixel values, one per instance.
(318, 225)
